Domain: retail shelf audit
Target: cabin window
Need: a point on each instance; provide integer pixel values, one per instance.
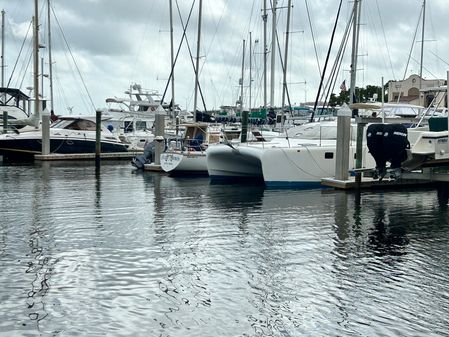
(328, 155)
(141, 125)
(128, 126)
(81, 124)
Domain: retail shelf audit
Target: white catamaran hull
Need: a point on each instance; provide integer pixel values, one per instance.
(228, 162)
(305, 166)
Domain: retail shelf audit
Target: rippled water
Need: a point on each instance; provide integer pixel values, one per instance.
(143, 254)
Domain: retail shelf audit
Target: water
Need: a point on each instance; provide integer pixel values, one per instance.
(142, 254)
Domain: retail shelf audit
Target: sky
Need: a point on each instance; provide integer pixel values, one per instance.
(101, 47)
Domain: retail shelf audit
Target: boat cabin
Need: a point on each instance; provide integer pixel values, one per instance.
(15, 103)
(76, 123)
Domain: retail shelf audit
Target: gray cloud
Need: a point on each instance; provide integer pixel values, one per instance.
(117, 42)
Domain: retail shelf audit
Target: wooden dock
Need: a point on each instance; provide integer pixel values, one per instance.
(153, 167)
(87, 156)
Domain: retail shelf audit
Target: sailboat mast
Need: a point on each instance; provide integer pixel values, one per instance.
(250, 70)
(172, 62)
(355, 42)
(197, 67)
(241, 79)
(284, 84)
(50, 61)
(36, 57)
(273, 51)
(344, 115)
(422, 45)
(3, 49)
(265, 51)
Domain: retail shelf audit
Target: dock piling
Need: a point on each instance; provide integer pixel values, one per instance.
(97, 139)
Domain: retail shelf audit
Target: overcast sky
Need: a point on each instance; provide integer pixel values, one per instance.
(113, 43)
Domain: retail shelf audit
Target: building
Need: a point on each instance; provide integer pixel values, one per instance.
(408, 91)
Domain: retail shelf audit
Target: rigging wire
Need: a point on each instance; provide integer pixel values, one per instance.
(179, 47)
(191, 58)
(330, 86)
(73, 59)
(17, 59)
(212, 45)
(283, 69)
(327, 59)
(385, 39)
(411, 49)
(142, 40)
(439, 58)
(313, 37)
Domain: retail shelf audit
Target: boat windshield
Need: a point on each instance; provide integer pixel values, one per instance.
(74, 124)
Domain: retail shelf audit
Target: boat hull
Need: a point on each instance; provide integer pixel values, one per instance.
(185, 162)
(225, 162)
(305, 166)
(24, 147)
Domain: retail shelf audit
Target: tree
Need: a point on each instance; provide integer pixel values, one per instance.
(361, 94)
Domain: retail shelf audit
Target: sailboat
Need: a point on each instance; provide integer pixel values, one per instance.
(190, 157)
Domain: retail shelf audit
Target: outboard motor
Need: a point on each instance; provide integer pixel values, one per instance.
(395, 144)
(147, 156)
(375, 143)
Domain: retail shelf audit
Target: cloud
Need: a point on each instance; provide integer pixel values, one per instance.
(116, 42)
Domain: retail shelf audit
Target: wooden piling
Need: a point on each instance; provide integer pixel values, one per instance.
(45, 126)
(243, 136)
(97, 139)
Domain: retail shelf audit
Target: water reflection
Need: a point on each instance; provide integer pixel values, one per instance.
(144, 253)
(378, 247)
(40, 264)
(389, 234)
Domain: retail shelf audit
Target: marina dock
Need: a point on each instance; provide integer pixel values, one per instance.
(370, 183)
(87, 156)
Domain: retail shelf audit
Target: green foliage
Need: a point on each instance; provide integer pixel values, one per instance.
(361, 94)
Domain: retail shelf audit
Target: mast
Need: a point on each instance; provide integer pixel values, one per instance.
(265, 50)
(344, 114)
(250, 69)
(273, 51)
(241, 79)
(422, 48)
(50, 62)
(355, 43)
(197, 67)
(172, 63)
(284, 82)
(3, 49)
(36, 57)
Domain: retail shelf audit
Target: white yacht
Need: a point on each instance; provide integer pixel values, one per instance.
(132, 118)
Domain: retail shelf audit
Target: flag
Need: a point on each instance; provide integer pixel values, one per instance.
(343, 86)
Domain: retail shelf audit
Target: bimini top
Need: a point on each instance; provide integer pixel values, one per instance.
(17, 93)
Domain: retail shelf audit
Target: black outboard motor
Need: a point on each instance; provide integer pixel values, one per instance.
(147, 156)
(395, 144)
(375, 143)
